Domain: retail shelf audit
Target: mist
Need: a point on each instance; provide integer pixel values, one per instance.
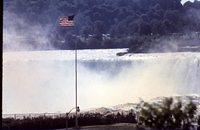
(20, 35)
(44, 81)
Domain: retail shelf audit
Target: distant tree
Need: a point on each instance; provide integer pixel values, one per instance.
(99, 29)
(121, 28)
(120, 18)
(156, 27)
(145, 18)
(144, 28)
(172, 16)
(133, 27)
(86, 31)
(168, 26)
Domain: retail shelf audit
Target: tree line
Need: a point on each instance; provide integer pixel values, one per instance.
(121, 19)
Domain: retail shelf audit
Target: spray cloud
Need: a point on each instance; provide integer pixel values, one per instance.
(20, 35)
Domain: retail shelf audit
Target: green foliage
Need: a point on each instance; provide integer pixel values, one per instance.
(59, 122)
(119, 18)
(168, 114)
(189, 114)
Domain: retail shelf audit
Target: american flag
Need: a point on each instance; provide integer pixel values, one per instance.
(67, 21)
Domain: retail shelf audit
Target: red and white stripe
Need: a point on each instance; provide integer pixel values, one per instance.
(64, 22)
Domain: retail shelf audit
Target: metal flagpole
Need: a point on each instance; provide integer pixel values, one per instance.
(68, 22)
(76, 124)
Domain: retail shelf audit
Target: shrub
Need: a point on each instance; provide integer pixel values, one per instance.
(167, 114)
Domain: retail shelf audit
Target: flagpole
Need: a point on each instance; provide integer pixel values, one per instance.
(76, 123)
(68, 22)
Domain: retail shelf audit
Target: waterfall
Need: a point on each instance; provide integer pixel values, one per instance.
(43, 81)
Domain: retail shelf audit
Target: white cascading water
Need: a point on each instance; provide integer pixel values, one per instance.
(43, 81)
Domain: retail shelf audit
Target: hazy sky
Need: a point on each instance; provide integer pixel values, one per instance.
(183, 1)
